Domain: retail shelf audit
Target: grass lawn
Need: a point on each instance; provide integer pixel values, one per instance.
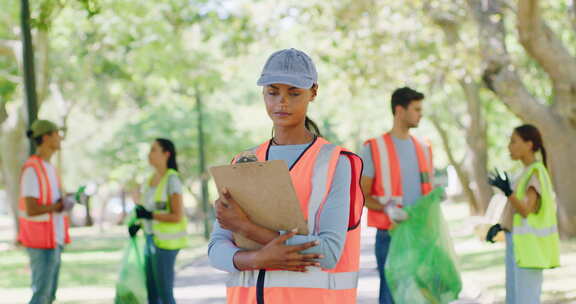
(93, 259)
(483, 268)
(91, 263)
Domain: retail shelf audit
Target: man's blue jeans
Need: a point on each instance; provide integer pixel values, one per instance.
(381, 249)
(45, 266)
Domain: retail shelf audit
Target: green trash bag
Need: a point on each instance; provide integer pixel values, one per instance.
(131, 286)
(420, 267)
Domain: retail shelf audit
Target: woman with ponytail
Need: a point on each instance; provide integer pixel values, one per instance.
(321, 267)
(530, 225)
(162, 214)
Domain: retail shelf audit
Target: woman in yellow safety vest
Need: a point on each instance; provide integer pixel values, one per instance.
(164, 220)
(532, 241)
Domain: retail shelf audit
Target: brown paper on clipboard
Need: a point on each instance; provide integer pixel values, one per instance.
(265, 192)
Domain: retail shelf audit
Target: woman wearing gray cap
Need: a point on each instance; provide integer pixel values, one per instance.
(321, 267)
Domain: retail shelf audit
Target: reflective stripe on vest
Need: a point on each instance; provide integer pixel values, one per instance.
(525, 228)
(45, 193)
(39, 231)
(424, 165)
(37, 218)
(336, 285)
(535, 238)
(320, 187)
(387, 182)
(320, 182)
(391, 175)
(314, 278)
(168, 235)
(389, 169)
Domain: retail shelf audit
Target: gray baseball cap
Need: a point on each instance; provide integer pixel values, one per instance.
(291, 67)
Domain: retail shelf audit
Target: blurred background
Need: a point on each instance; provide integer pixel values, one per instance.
(116, 74)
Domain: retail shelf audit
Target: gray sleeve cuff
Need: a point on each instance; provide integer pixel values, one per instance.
(221, 249)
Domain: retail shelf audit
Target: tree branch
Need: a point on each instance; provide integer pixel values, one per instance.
(458, 166)
(473, 103)
(448, 24)
(499, 74)
(548, 50)
(455, 117)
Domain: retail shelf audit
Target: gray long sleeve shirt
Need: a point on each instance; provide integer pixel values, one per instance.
(333, 219)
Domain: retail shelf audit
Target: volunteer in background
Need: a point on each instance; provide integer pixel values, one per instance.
(398, 170)
(162, 214)
(530, 225)
(43, 226)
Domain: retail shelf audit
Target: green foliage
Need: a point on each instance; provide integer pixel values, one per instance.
(126, 152)
(129, 71)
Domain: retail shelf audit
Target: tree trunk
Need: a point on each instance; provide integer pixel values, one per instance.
(475, 207)
(13, 144)
(477, 145)
(573, 14)
(561, 147)
(558, 127)
(474, 176)
(88, 221)
(14, 148)
(28, 66)
(204, 177)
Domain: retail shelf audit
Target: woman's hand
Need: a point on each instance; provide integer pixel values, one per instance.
(277, 255)
(229, 213)
(492, 232)
(501, 181)
(142, 213)
(58, 206)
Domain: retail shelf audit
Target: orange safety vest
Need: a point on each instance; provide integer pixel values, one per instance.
(312, 176)
(38, 231)
(387, 184)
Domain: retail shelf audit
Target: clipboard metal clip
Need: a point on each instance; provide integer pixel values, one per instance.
(247, 159)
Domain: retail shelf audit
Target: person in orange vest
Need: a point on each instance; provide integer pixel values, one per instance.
(321, 267)
(43, 226)
(398, 170)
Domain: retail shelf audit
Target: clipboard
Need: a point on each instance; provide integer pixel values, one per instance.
(265, 192)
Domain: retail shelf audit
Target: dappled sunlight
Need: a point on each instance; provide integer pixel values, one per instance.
(114, 75)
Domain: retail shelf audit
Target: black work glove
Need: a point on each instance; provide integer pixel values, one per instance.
(133, 229)
(501, 182)
(492, 232)
(142, 213)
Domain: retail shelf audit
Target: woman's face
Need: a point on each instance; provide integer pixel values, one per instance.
(287, 105)
(53, 140)
(157, 157)
(518, 147)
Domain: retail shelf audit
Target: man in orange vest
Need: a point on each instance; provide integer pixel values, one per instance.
(398, 170)
(43, 227)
